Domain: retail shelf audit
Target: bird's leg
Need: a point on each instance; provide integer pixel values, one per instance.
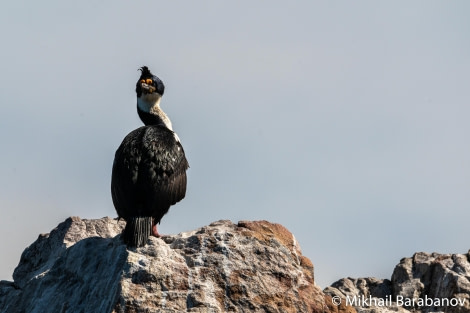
(154, 231)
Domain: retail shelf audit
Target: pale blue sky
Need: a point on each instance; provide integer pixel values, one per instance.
(347, 122)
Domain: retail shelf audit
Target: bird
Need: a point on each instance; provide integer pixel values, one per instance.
(149, 168)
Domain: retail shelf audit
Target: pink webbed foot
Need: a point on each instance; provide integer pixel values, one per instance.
(155, 231)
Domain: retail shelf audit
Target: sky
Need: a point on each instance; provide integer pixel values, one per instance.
(346, 122)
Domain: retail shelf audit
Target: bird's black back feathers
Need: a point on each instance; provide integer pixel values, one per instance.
(149, 173)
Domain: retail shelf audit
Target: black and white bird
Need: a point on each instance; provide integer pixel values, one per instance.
(149, 170)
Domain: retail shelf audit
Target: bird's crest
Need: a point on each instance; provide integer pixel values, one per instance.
(145, 71)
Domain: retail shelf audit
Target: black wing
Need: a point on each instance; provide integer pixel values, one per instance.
(149, 173)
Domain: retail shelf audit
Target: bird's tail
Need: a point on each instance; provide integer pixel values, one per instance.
(138, 230)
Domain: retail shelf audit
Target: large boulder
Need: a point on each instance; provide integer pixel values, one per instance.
(82, 266)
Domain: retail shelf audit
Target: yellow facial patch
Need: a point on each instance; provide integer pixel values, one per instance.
(148, 81)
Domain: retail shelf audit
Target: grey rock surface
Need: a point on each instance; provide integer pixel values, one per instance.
(436, 276)
(423, 283)
(75, 268)
(82, 266)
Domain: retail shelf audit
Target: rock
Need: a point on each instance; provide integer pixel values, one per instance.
(423, 283)
(40, 256)
(75, 268)
(368, 287)
(335, 307)
(82, 266)
(363, 293)
(435, 276)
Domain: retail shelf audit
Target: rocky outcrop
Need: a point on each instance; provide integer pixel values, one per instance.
(423, 283)
(82, 266)
(75, 268)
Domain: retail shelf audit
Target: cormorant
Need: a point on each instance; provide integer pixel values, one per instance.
(149, 170)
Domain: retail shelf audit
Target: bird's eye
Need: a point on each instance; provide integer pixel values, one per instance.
(142, 80)
(149, 81)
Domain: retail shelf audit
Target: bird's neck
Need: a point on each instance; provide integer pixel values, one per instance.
(151, 114)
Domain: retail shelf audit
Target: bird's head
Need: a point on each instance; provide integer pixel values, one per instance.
(149, 88)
